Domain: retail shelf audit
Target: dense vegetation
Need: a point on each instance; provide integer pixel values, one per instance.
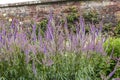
(58, 52)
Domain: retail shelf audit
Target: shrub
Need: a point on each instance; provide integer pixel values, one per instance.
(113, 50)
(112, 45)
(91, 17)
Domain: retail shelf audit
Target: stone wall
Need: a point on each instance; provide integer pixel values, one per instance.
(38, 10)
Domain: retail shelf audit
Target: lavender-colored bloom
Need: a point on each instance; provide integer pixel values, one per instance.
(50, 16)
(70, 36)
(33, 49)
(27, 55)
(34, 28)
(15, 34)
(97, 32)
(77, 28)
(45, 49)
(33, 68)
(40, 39)
(33, 36)
(4, 32)
(13, 24)
(60, 42)
(47, 62)
(49, 34)
(66, 24)
(82, 26)
(9, 36)
(112, 73)
(74, 42)
(0, 37)
(49, 31)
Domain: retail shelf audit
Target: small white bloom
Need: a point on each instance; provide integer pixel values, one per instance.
(4, 14)
(67, 43)
(10, 19)
(21, 22)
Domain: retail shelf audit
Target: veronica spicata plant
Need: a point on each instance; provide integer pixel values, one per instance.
(60, 54)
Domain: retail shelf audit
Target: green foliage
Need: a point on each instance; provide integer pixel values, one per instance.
(91, 17)
(42, 26)
(117, 30)
(113, 50)
(72, 17)
(107, 27)
(73, 14)
(112, 44)
(15, 68)
(111, 30)
(67, 66)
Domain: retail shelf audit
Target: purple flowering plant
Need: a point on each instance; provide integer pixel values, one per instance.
(60, 54)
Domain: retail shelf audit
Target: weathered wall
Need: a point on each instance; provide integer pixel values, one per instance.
(39, 10)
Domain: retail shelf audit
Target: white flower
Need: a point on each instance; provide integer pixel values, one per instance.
(21, 22)
(4, 14)
(10, 19)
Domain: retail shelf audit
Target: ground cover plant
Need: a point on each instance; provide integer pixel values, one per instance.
(58, 54)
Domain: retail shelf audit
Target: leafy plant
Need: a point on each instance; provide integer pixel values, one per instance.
(72, 17)
(117, 30)
(112, 49)
(112, 45)
(57, 55)
(91, 17)
(42, 26)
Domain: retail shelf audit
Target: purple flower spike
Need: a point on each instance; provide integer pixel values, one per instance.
(112, 73)
(82, 24)
(45, 49)
(47, 62)
(50, 16)
(49, 31)
(15, 34)
(97, 32)
(34, 27)
(40, 39)
(27, 55)
(13, 24)
(66, 24)
(34, 37)
(34, 69)
(0, 38)
(4, 32)
(77, 28)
